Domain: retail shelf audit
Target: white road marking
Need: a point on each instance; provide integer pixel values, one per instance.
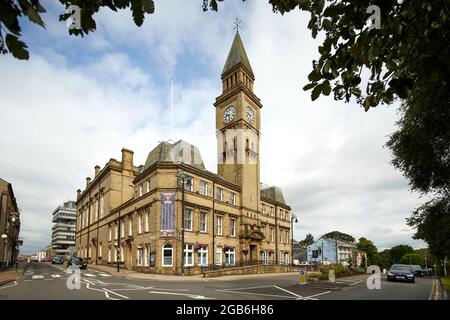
(250, 288)
(10, 285)
(89, 275)
(315, 295)
(190, 295)
(37, 277)
(258, 294)
(104, 275)
(56, 276)
(290, 292)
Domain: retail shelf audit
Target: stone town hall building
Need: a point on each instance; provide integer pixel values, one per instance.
(134, 213)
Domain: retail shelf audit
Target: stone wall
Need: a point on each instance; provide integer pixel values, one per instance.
(256, 269)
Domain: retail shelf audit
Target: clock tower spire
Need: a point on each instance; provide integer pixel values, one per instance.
(238, 126)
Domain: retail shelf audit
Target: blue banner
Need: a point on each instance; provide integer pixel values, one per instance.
(167, 214)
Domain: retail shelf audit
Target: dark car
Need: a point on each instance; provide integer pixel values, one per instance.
(401, 272)
(76, 262)
(418, 271)
(58, 260)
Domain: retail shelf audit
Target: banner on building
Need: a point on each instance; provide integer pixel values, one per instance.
(167, 214)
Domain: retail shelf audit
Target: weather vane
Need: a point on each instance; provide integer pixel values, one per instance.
(237, 25)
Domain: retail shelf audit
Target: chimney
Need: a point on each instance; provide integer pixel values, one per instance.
(88, 182)
(127, 159)
(97, 170)
(78, 194)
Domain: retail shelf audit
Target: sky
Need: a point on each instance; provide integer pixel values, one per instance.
(78, 101)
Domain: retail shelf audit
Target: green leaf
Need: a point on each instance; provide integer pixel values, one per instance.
(327, 24)
(316, 92)
(149, 6)
(121, 4)
(17, 47)
(314, 76)
(309, 86)
(138, 13)
(326, 88)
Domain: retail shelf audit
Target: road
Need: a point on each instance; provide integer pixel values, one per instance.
(43, 281)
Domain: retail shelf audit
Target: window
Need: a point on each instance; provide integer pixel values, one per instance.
(141, 190)
(233, 227)
(219, 225)
(147, 220)
(203, 188)
(89, 252)
(189, 184)
(203, 218)
(109, 254)
(122, 229)
(140, 224)
(122, 254)
(167, 253)
(148, 185)
(188, 255)
(96, 208)
(286, 258)
(100, 249)
(229, 256)
(233, 198)
(146, 256)
(272, 234)
(219, 192)
(265, 256)
(139, 257)
(102, 206)
(202, 256)
(219, 256)
(110, 233)
(188, 219)
(130, 226)
(271, 211)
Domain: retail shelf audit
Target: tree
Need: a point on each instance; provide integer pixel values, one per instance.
(432, 221)
(399, 251)
(309, 240)
(337, 235)
(383, 259)
(413, 258)
(369, 248)
(12, 10)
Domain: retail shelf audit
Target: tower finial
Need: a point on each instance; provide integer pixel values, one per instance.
(237, 23)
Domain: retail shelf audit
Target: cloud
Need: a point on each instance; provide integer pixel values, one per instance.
(77, 102)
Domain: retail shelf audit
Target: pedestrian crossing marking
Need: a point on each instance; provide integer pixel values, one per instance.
(37, 277)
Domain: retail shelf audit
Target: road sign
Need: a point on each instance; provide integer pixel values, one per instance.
(302, 277)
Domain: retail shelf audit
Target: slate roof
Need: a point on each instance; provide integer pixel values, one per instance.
(237, 55)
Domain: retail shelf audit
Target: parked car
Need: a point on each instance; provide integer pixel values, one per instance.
(58, 260)
(34, 259)
(418, 271)
(46, 259)
(401, 272)
(74, 261)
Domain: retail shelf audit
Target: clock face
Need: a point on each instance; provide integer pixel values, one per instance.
(250, 115)
(229, 114)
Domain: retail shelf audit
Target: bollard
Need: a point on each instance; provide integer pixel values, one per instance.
(331, 276)
(302, 277)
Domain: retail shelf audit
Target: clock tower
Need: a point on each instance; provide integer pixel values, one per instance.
(238, 126)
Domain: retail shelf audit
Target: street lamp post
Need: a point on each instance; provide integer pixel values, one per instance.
(182, 176)
(293, 219)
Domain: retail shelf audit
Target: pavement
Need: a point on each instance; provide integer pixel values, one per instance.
(12, 274)
(43, 281)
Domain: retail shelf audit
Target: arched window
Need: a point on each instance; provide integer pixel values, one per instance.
(167, 255)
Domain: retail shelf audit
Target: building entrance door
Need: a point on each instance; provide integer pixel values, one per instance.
(253, 256)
